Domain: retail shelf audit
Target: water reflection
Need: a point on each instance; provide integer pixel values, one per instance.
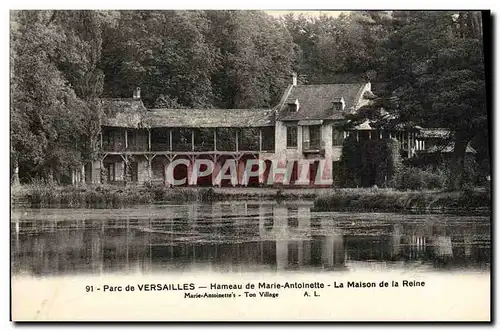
(241, 237)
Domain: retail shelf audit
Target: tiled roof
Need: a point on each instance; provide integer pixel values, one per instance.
(131, 113)
(316, 101)
(434, 133)
(123, 112)
(209, 118)
(449, 149)
(363, 126)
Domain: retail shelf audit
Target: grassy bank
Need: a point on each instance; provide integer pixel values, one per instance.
(108, 196)
(102, 196)
(325, 199)
(387, 200)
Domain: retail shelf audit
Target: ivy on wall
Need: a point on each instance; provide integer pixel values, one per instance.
(369, 162)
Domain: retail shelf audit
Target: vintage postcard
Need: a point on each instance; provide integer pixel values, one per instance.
(250, 165)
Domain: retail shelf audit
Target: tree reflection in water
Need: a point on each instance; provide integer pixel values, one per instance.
(241, 236)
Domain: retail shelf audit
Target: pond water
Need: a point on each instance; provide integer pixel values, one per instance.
(241, 237)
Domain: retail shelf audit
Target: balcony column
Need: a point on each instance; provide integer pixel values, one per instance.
(260, 139)
(192, 140)
(170, 139)
(409, 150)
(126, 142)
(102, 178)
(150, 160)
(149, 140)
(100, 134)
(82, 176)
(237, 138)
(215, 139)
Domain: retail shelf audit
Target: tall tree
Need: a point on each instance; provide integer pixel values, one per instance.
(257, 57)
(164, 52)
(54, 84)
(436, 64)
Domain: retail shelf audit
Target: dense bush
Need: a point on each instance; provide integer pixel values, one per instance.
(412, 178)
(389, 200)
(370, 162)
(42, 194)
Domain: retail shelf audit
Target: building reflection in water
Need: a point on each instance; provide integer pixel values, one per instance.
(236, 237)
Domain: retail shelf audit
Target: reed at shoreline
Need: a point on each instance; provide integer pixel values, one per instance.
(101, 196)
(325, 199)
(388, 200)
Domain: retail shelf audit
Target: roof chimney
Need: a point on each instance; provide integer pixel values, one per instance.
(294, 78)
(137, 93)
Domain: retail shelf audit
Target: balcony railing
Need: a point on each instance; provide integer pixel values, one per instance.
(113, 147)
(313, 146)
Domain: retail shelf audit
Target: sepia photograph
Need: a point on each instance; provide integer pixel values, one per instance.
(250, 165)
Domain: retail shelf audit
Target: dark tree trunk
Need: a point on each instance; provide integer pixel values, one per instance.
(457, 178)
(15, 176)
(461, 22)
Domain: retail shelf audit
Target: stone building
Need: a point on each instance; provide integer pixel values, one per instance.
(295, 143)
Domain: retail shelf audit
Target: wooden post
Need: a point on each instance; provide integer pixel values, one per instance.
(150, 160)
(170, 140)
(192, 140)
(165, 166)
(357, 135)
(126, 142)
(125, 169)
(15, 178)
(82, 178)
(100, 134)
(215, 139)
(369, 135)
(412, 142)
(260, 139)
(101, 171)
(149, 140)
(408, 139)
(237, 138)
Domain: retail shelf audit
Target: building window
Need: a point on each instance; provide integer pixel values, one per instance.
(338, 137)
(131, 143)
(109, 140)
(337, 106)
(315, 137)
(291, 136)
(110, 172)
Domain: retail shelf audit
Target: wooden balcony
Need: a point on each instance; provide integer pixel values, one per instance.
(187, 142)
(313, 147)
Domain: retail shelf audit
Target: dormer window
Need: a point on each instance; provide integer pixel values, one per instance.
(293, 106)
(338, 104)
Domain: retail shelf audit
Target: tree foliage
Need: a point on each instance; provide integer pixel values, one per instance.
(62, 62)
(369, 162)
(54, 78)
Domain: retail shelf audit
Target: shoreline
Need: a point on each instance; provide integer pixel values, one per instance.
(419, 202)
(323, 199)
